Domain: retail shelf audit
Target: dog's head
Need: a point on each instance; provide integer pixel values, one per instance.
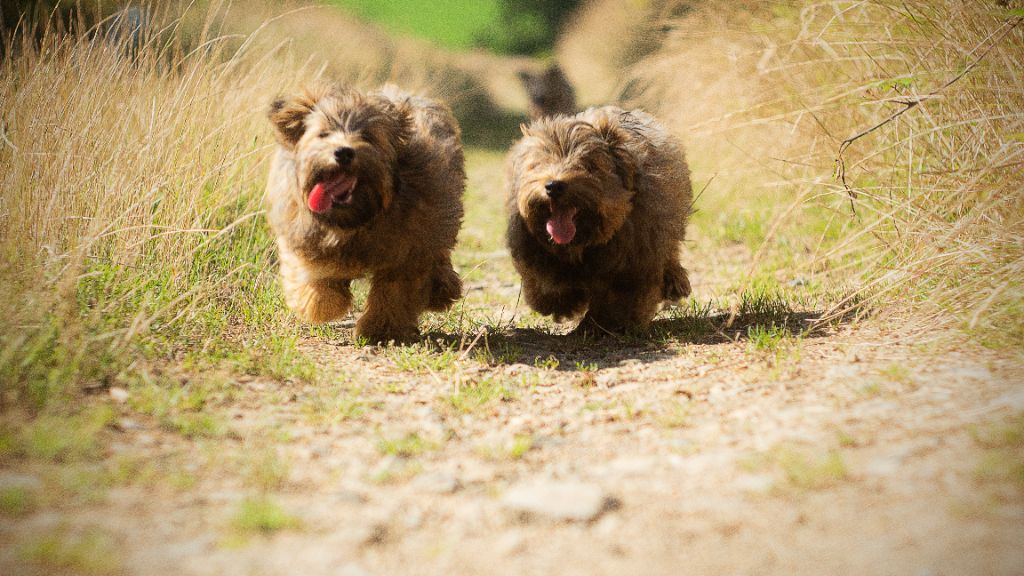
(345, 146)
(573, 181)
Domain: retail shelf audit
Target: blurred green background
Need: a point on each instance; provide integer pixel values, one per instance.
(503, 26)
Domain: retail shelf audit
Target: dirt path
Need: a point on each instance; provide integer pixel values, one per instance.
(523, 452)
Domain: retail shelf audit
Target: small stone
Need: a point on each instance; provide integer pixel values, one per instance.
(558, 500)
(119, 395)
(127, 425)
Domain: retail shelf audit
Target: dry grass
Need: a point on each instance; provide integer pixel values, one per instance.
(922, 216)
(131, 223)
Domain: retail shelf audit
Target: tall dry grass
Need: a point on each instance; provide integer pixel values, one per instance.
(131, 225)
(923, 216)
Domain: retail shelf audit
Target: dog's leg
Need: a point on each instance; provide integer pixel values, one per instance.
(559, 301)
(676, 283)
(445, 287)
(621, 308)
(314, 299)
(393, 307)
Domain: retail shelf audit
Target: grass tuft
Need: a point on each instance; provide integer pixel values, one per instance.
(262, 515)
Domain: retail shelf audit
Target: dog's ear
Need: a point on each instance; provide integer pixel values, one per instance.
(399, 119)
(620, 141)
(288, 115)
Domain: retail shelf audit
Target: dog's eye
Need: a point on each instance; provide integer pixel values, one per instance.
(324, 134)
(368, 137)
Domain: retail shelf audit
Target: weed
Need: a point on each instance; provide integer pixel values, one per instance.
(521, 444)
(548, 363)
(337, 405)
(1003, 456)
(423, 358)
(266, 470)
(66, 438)
(91, 553)
(471, 396)
(801, 467)
(767, 338)
(407, 446)
(584, 366)
(16, 501)
(262, 515)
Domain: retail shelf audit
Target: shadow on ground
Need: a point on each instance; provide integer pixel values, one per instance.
(571, 351)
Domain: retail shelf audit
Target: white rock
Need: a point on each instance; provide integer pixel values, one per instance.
(557, 500)
(119, 395)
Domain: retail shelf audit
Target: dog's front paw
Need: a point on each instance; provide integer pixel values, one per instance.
(676, 283)
(379, 331)
(319, 302)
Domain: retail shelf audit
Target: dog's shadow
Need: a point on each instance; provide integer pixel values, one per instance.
(586, 352)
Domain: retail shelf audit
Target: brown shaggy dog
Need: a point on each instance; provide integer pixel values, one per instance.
(549, 92)
(366, 184)
(598, 204)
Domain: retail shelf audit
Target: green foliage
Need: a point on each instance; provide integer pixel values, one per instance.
(451, 23)
(503, 26)
(526, 26)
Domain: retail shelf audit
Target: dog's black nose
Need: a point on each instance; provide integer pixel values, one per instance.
(555, 188)
(344, 155)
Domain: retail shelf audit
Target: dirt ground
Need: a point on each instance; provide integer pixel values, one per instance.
(845, 451)
(852, 449)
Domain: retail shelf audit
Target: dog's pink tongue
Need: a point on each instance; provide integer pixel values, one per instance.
(319, 200)
(562, 226)
(335, 191)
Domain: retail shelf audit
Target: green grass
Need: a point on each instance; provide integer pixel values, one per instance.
(64, 437)
(801, 467)
(335, 405)
(423, 357)
(406, 446)
(470, 397)
(451, 23)
(266, 470)
(262, 515)
(88, 554)
(1002, 459)
(188, 409)
(17, 501)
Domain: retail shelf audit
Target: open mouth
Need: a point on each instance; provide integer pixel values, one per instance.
(561, 226)
(335, 190)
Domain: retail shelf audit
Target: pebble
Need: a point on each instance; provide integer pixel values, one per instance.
(557, 500)
(119, 395)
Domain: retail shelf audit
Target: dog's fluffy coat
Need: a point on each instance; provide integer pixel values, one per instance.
(366, 184)
(597, 205)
